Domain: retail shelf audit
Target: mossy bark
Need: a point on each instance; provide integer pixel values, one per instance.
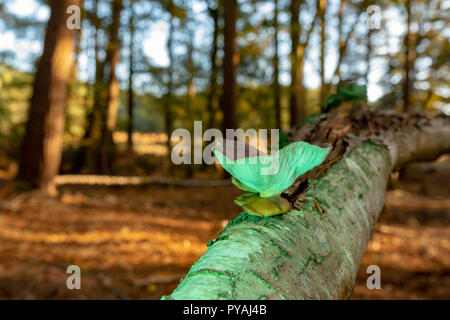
(312, 252)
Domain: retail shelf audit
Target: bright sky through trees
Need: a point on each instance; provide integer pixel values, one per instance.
(155, 43)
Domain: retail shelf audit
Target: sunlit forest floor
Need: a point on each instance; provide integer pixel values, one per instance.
(137, 242)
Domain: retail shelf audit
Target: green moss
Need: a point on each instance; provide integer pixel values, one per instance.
(275, 271)
(266, 283)
(243, 217)
(253, 229)
(313, 258)
(224, 295)
(220, 238)
(323, 203)
(211, 272)
(303, 221)
(284, 253)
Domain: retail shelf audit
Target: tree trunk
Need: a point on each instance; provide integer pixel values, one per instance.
(75, 64)
(368, 57)
(276, 71)
(228, 100)
(295, 111)
(108, 114)
(322, 7)
(130, 127)
(343, 45)
(314, 252)
(43, 140)
(168, 97)
(297, 88)
(408, 54)
(214, 13)
(83, 156)
(191, 92)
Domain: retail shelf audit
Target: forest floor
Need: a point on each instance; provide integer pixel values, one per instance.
(137, 242)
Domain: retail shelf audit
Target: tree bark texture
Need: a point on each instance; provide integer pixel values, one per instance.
(43, 140)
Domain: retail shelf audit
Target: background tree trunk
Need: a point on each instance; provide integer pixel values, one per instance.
(295, 111)
(297, 88)
(168, 97)
(408, 56)
(212, 95)
(343, 41)
(368, 57)
(42, 143)
(368, 53)
(313, 252)
(322, 7)
(276, 71)
(191, 92)
(228, 100)
(130, 126)
(109, 110)
(83, 156)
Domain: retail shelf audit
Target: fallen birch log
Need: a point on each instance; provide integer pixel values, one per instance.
(314, 252)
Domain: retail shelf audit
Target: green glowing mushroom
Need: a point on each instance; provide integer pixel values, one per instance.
(266, 176)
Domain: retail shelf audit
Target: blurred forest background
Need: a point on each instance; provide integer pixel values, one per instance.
(104, 99)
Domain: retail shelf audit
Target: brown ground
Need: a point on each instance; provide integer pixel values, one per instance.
(136, 243)
(411, 242)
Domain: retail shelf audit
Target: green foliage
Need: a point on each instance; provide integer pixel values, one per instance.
(15, 94)
(346, 92)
